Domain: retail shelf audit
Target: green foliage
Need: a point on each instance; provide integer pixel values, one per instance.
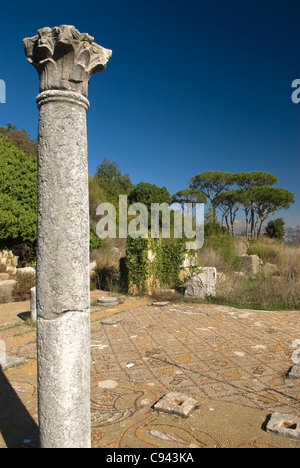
(137, 262)
(188, 196)
(164, 267)
(255, 179)
(268, 250)
(255, 195)
(18, 193)
(168, 261)
(149, 193)
(275, 229)
(224, 244)
(111, 180)
(211, 183)
(95, 241)
(212, 227)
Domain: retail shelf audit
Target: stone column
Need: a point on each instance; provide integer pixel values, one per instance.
(65, 60)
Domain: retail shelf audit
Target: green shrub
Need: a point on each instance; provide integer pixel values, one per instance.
(270, 251)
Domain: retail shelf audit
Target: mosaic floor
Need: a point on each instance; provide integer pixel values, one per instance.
(234, 362)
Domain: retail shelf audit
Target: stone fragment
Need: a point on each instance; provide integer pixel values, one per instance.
(7, 289)
(11, 270)
(285, 425)
(165, 291)
(7, 361)
(112, 321)
(176, 403)
(294, 372)
(4, 276)
(203, 284)
(251, 264)
(108, 301)
(160, 303)
(25, 271)
(111, 384)
(33, 303)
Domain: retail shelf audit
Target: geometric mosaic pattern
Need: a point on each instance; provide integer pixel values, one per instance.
(218, 352)
(218, 355)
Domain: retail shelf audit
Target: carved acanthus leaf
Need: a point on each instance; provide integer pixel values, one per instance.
(65, 58)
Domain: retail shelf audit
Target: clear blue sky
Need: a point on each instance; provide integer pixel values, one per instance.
(191, 86)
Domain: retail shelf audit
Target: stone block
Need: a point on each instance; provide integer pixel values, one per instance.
(11, 269)
(285, 425)
(7, 361)
(176, 403)
(25, 271)
(108, 301)
(160, 303)
(251, 264)
(167, 291)
(203, 284)
(294, 372)
(7, 289)
(4, 276)
(33, 313)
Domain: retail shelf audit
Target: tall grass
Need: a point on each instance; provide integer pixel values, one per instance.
(277, 292)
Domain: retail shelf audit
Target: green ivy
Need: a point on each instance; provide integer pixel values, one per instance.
(165, 267)
(137, 263)
(168, 261)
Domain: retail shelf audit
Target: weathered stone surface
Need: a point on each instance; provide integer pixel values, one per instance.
(11, 270)
(4, 276)
(25, 271)
(203, 284)
(64, 380)
(285, 425)
(176, 403)
(251, 264)
(7, 361)
(65, 58)
(294, 372)
(108, 301)
(33, 304)
(165, 291)
(7, 289)
(63, 217)
(111, 321)
(160, 303)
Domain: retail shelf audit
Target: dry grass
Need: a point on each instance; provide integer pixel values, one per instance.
(277, 292)
(107, 274)
(23, 286)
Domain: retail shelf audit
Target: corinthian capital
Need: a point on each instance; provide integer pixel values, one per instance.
(65, 58)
